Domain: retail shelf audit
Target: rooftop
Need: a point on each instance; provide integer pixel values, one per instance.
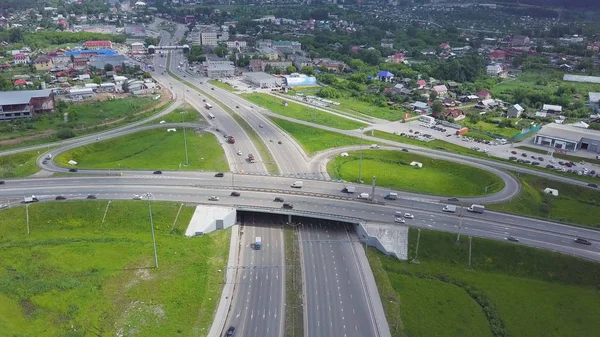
(21, 96)
(568, 132)
(259, 75)
(594, 97)
(581, 78)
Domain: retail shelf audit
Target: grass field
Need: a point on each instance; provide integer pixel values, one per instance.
(566, 157)
(574, 204)
(357, 107)
(74, 276)
(84, 118)
(222, 85)
(301, 112)
(491, 128)
(392, 169)
(312, 139)
(19, 165)
(512, 291)
(154, 149)
(450, 147)
(185, 113)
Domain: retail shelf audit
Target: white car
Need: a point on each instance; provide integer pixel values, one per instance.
(409, 216)
(213, 198)
(239, 153)
(399, 220)
(137, 197)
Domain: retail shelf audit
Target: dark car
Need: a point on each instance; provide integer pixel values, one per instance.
(237, 106)
(230, 332)
(593, 185)
(220, 175)
(512, 239)
(513, 152)
(535, 163)
(60, 197)
(524, 155)
(235, 194)
(453, 199)
(288, 205)
(91, 197)
(550, 166)
(513, 158)
(541, 158)
(45, 162)
(1, 182)
(279, 142)
(583, 241)
(157, 172)
(404, 150)
(212, 88)
(278, 199)
(72, 170)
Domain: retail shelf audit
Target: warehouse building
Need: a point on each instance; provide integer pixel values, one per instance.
(262, 79)
(568, 138)
(25, 103)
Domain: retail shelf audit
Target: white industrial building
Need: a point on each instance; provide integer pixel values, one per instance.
(568, 137)
(262, 79)
(218, 68)
(80, 93)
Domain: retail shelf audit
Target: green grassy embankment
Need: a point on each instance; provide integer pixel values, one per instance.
(74, 275)
(512, 290)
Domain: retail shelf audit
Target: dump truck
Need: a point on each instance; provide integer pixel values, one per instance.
(476, 208)
(449, 208)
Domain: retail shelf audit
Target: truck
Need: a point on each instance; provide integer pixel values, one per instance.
(391, 196)
(449, 208)
(298, 184)
(231, 140)
(48, 156)
(257, 243)
(476, 208)
(207, 105)
(251, 157)
(363, 196)
(30, 199)
(349, 189)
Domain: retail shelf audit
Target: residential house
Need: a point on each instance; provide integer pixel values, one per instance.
(515, 111)
(5, 66)
(387, 43)
(497, 56)
(43, 63)
(59, 58)
(264, 44)
(21, 59)
(396, 58)
(595, 101)
(520, 41)
(329, 64)
(421, 84)
(494, 70)
(487, 104)
(448, 102)
(420, 106)
(594, 46)
(455, 114)
(385, 76)
(550, 109)
(238, 44)
(300, 62)
(260, 65)
(440, 90)
(294, 46)
(445, 46)
(97, 44)
(269, 53)
(484, 94)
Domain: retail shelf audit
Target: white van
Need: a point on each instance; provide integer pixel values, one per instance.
(298, 184)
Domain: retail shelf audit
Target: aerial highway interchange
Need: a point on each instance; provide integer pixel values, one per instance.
(336, 301)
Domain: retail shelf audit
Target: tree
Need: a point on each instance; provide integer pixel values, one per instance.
(437, 107)
(291, 69)
(221, 51)
(108, 67)
(328, 92)
(97, 80)
(65, 133)
(309, 70)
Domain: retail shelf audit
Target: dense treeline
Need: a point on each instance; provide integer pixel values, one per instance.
(44, 39)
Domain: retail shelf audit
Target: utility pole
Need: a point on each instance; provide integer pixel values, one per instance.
(187, 162)
(470, 239)
(460, 217)
(27, 215)
(149, 195)
(361, 155)
(416, 259)
(373, 190)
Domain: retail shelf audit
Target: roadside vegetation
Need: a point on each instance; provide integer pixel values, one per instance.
(76, 275)
(20, 165)
(154, 149)
(222, 85)
(302, 112)
(510, 290)
(393, 170)
(83, 118)
(294, 312)
(185, 113)
(312, 139)
(574, 204)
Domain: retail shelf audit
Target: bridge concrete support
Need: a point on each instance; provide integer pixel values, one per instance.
(390, 240)
(210, 218)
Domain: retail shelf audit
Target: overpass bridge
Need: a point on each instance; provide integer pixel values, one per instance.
(152, 49)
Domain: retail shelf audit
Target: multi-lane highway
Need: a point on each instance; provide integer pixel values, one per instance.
(334, 294)
(259, 293)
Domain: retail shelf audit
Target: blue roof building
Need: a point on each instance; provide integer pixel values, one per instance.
(385, 76)
(106, 52)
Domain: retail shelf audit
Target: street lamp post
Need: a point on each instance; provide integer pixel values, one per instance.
(361, 155)
(187, 162)
(149, 195)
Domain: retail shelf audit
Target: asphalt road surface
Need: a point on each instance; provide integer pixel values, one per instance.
(428, 214)
(335, 296)
(259, 295)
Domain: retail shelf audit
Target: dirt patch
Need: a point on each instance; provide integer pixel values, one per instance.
(28, 307)
(15, 141)
(140, 275)
(138, 314)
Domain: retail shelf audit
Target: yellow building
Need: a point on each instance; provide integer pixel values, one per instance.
(43, 63)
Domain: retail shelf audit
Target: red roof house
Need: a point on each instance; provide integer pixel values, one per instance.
(97, 44)
(484, 94)
(497, 56)
(456, 114)
(396, 58)
(444, 45)
(421, 84)
(20, 82)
